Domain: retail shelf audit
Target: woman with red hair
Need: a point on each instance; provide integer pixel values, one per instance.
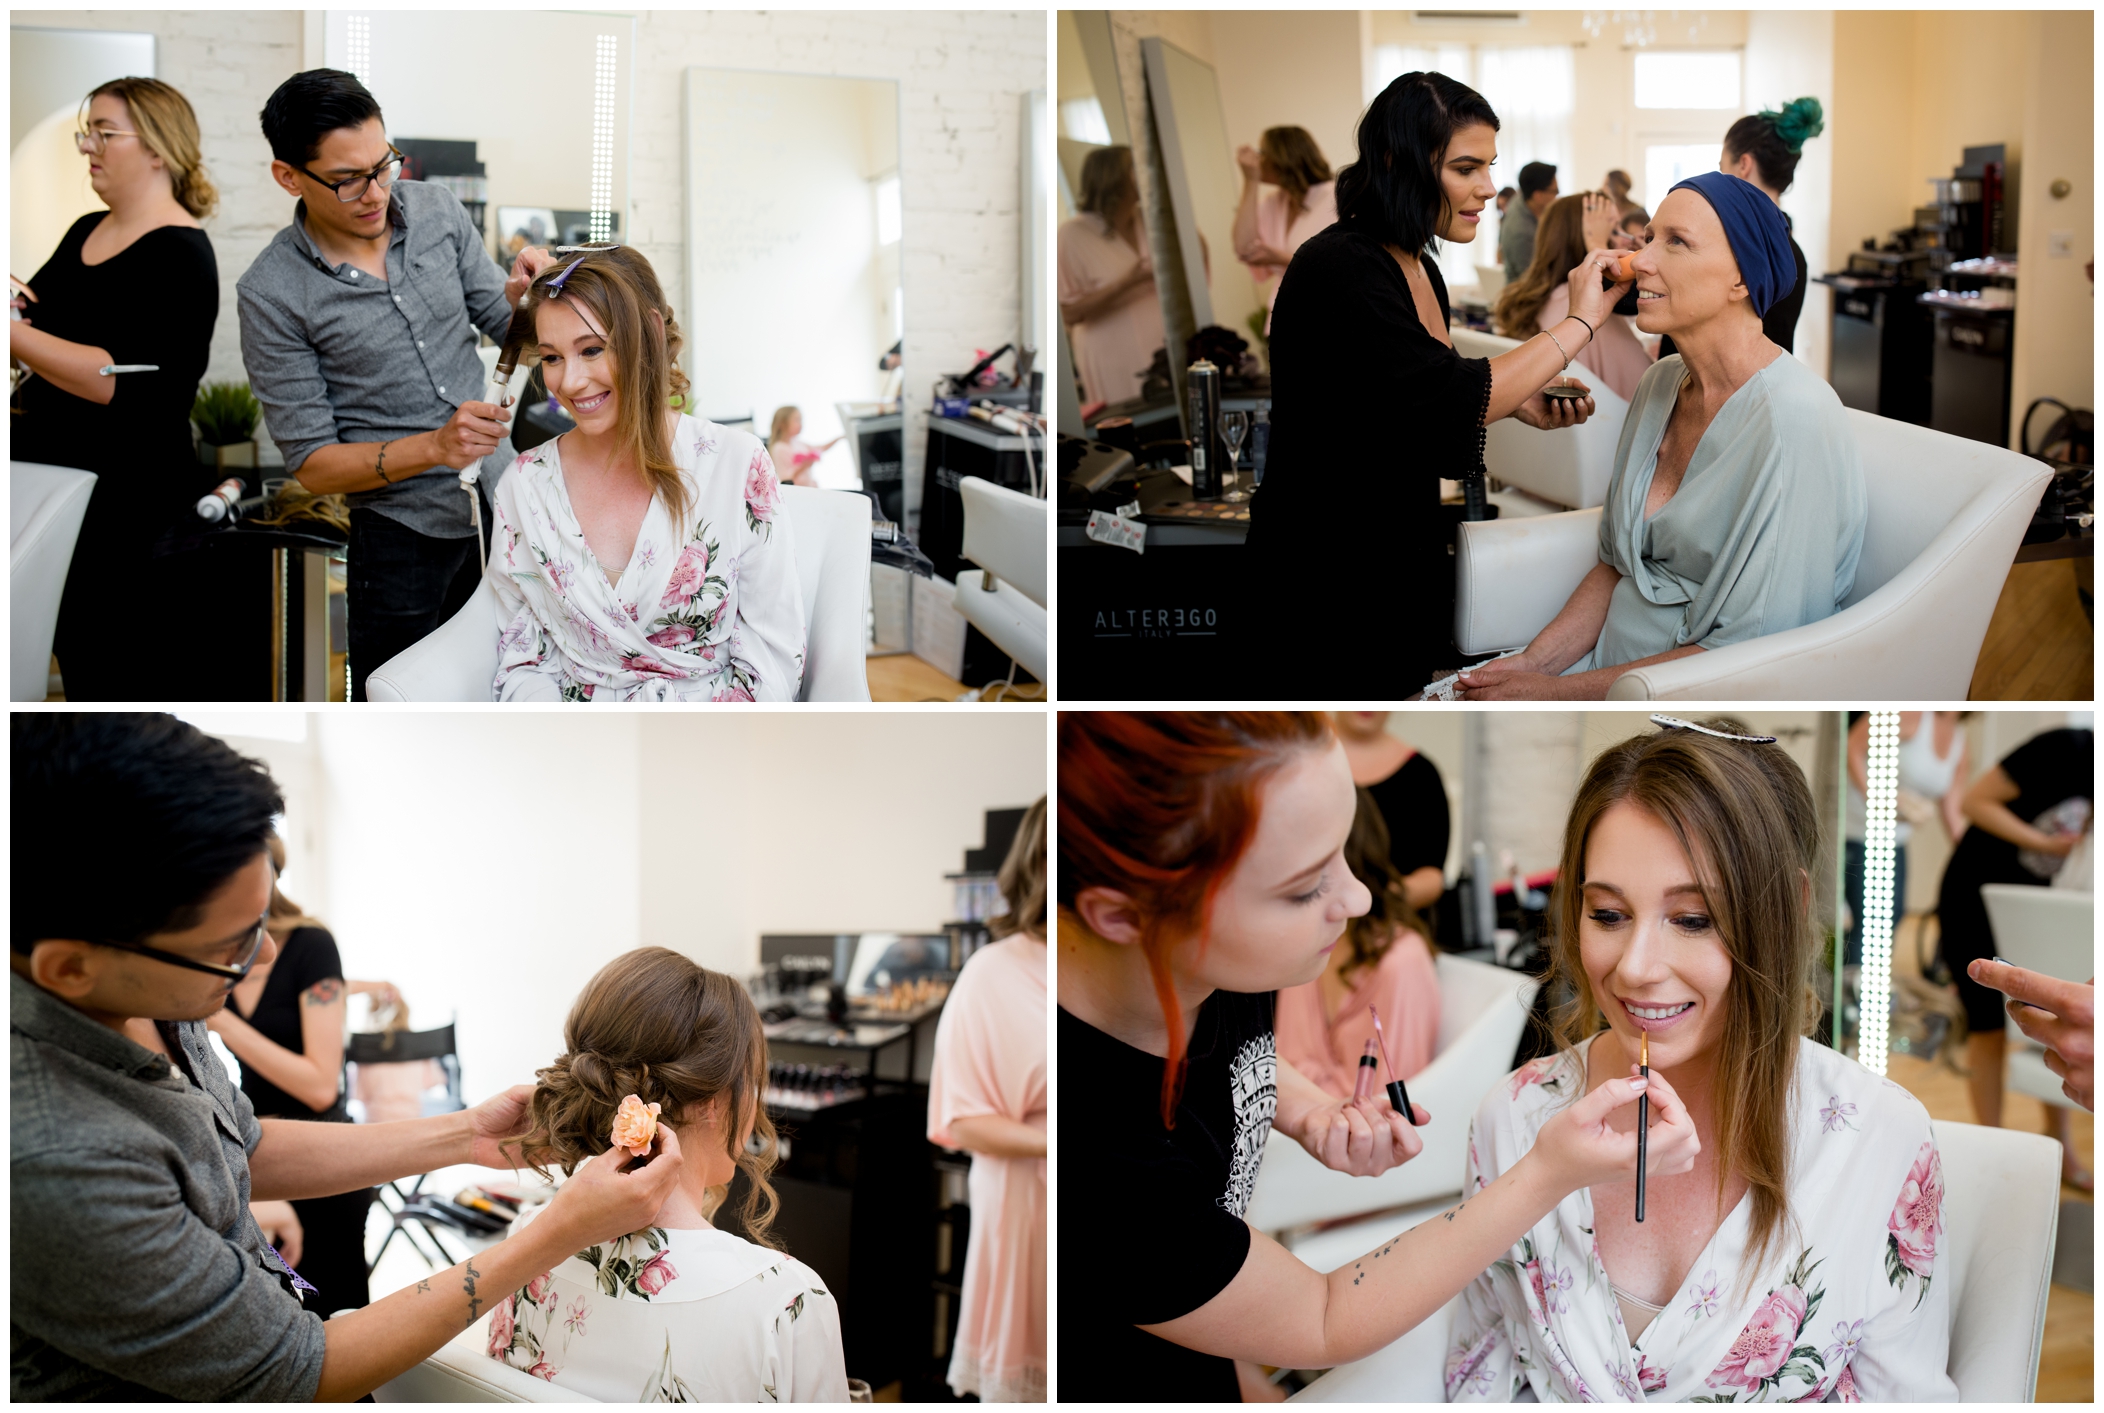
(1201, 869)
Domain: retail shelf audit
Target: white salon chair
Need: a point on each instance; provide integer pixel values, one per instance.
(2000, 1211)
(2050, 931)
(1482, 1010)
(45, 506)
(463, 1372)
(1004, 534)
(459, 661)
(1568, 469)
(1946, 517)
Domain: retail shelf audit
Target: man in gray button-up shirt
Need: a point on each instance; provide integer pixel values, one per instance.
(359, 326)
(140, 883)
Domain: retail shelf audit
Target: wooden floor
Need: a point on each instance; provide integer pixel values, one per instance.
(2040, 646)
(902, 677)
(2066, 1367)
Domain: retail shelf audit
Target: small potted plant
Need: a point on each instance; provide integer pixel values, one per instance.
(226, 415)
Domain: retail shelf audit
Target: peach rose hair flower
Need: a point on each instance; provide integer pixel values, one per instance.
(635, 1124)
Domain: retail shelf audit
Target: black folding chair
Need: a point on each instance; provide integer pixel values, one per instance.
(411, 1212)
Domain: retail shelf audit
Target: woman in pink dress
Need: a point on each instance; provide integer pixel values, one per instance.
(1271, 225)
(1323, 1025)
(986, 1095)
(1539, 299)
(1106, 281)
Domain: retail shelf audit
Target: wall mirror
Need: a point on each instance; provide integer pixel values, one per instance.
(1204, 185)
(794, 223)
(548, 163)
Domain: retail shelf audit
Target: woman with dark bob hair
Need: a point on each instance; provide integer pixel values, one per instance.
(1371, 406)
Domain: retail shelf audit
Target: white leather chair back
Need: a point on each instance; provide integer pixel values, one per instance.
(458, 662)
(2046, 930)
(2001, 1213)
(1482, 1012)
(1005, 533)
(1921, 483)
(1570, 468)
(45, 507)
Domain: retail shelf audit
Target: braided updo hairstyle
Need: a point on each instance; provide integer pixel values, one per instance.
(655, 1025)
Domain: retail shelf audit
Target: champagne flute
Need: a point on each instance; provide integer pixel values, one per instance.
(1234, 426)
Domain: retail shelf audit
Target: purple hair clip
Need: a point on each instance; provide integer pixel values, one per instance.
(555, 285)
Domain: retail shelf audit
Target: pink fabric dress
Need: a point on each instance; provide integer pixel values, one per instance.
(1113, 350)
(990, 1058)
(1616, 357)
(1404, 986)
(1319, 213)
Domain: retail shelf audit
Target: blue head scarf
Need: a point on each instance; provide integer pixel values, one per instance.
(1759, 236)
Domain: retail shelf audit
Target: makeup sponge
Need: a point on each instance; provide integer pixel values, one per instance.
(1624, 272)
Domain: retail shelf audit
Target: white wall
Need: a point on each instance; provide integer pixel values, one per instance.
(1790, 55)
(489, 864)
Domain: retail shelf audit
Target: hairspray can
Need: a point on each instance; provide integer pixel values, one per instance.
(1203, 384)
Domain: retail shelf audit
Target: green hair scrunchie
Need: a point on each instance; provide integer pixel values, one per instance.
(1799, 120)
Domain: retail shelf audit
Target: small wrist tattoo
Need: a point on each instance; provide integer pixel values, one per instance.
(380, 464)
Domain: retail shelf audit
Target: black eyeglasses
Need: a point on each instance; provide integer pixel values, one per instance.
(354, 188)
(235, 972)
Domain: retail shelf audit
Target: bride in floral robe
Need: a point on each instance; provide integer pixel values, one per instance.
(1850, 1305)
(705, 610)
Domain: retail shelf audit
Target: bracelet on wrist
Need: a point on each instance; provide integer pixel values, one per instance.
(1589, 332)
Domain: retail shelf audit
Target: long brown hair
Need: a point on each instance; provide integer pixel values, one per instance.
(1109, 187)
(1297, 162)
(1744, 814)
(1022, 878)
(1559, 244)
(619, 292)
(167, 124)
(285, 917)
(1366, 855)
(656, 1025)
(1160, 806)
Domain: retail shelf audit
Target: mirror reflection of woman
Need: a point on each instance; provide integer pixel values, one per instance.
(642, 555)
(1371, 406)
(1302, 199)
(1803, 1257)
(1737, 505)
(135, 284)
(1106, 281)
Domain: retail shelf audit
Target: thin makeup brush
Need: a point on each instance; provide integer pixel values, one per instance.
(1397, 1095)
(1643, 1119)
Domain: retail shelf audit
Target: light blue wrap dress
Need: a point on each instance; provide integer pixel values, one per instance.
(1763, 533)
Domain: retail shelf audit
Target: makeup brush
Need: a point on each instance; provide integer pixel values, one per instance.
(1397, 1095)
(1643, 1119)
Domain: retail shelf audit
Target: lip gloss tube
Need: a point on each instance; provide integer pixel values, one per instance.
(1643, 1120)
(1397, 1095)
(1363, 1088)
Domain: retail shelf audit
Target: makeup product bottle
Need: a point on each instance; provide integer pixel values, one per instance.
(1202, 395)
(1363, 1088)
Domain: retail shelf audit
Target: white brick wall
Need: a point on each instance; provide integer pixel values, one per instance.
(961, 80)
(961, 77)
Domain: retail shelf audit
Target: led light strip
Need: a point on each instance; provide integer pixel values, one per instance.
(1880, 810)
(358, 47)
(603, 137)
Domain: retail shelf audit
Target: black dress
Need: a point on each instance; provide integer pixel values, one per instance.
(333, 1260)
(1161, 1231)
(1369, 410)
(1413, 804)
(2047, 770)
(156, 302)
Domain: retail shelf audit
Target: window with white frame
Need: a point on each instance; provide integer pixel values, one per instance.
(1688, 79)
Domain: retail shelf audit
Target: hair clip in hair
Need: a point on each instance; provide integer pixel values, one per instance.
(555, 286)
(1675, 721)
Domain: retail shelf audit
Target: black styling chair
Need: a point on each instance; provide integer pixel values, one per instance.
(413, 1213)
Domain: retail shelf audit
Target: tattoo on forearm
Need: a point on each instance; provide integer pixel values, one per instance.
(1360, 1265)
(468, 1284)
(1454, 1211)
(324, 992)
(423, 1287)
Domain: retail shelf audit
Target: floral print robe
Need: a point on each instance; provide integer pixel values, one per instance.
(1851, 1304)
(691, 1316)
(707, 610)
